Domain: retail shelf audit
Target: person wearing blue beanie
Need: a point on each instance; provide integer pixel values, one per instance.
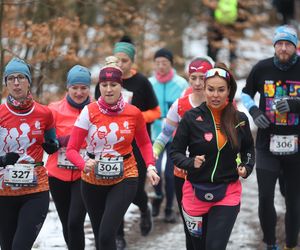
(64, 178)
(17, 65)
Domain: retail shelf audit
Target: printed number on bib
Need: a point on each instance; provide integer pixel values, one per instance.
(63, 162)
(284, 144)
(20, 175)
(109, 168)
(193, 224)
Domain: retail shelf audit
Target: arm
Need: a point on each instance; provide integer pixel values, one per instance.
(180, 144)
(151, 114)
(76, 139)
(51, 144)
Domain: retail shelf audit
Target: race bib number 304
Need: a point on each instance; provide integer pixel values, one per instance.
(109, 168)
(284, 144)
(20, 175)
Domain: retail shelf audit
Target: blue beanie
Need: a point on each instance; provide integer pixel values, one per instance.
(17, 65)
(285, 33)
(79, 75)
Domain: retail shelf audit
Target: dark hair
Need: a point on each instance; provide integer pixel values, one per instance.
(229, 118)
(126, 39)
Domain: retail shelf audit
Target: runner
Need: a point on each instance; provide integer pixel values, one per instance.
(221, 149)
(196, 70)
(110, 179)
(26, 128)
(168, 86)
(64, 178)
(277, 80)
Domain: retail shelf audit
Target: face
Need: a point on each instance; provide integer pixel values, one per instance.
(284, 50)
(162, 65)
(18, 86)
(79, 93)
(110, 91)
(216, 91)
(124, 63)
(196, 80)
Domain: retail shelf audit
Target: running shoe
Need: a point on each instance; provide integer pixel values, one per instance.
(146, 221)
(272, 247)
(170, 216)
(120, 242)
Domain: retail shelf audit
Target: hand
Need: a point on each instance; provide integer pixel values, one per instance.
(90, 164)
(9, 159)
(152, 175)
(259, 117)
(50, 146)
(242, 171)
(63, 140)
(199, 159)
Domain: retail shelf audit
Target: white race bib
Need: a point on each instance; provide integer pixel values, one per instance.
(193, 224)
(63, 162)
(20, 175)
(109, 168)
(284, 144)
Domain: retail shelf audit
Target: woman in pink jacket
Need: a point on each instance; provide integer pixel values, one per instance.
(64, 177)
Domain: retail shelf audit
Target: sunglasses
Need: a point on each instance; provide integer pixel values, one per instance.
(217, 71)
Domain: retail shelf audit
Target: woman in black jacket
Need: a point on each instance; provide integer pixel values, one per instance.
(221, 149)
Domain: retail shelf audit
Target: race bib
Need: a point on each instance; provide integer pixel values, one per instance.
(20, 175)
(63, 162)
(109, 168)
(284, 144)
(127, 95)
(193, 224)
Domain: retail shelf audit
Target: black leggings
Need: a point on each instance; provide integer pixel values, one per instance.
(141, 197)
(71, 211)
(216, 228)
(106, 206)
(178, 191)
(22, 218)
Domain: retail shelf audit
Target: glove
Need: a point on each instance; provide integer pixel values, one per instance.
(9, 159)
(259, 117)
(282, 106)
(288, 105)
(50, 146)
(63, 140)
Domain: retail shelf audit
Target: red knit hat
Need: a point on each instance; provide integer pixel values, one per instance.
(200, 65)
(111, 72)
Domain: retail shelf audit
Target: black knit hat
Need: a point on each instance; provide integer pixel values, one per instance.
(164, 53)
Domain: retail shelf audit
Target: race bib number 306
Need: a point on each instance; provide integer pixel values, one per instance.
(20, 175)
(109, 168)
(284, 144)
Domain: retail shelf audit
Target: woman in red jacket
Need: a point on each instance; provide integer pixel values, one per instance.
(64, 177)
(110, 175)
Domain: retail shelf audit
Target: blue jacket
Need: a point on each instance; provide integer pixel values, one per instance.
(166, 94)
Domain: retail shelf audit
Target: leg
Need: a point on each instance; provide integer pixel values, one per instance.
(118, 200)
(291, 173)
(220, 221)
(76, 218)
(178, 191)
(60, 192)
(169, 186)
(31, 219)
(158, 188)
(9, 209)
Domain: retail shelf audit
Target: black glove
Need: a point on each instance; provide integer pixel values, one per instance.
(50, 146)
(259, 117)
(9, 159)
(63, 140)
(288, 105)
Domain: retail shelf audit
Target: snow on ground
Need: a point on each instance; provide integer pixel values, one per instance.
(246, 233)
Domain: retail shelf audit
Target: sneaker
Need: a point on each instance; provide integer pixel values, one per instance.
(120, 242)
(289, 248)
(272, 247)
(156, 206)
(146, 221)
(170, 216)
